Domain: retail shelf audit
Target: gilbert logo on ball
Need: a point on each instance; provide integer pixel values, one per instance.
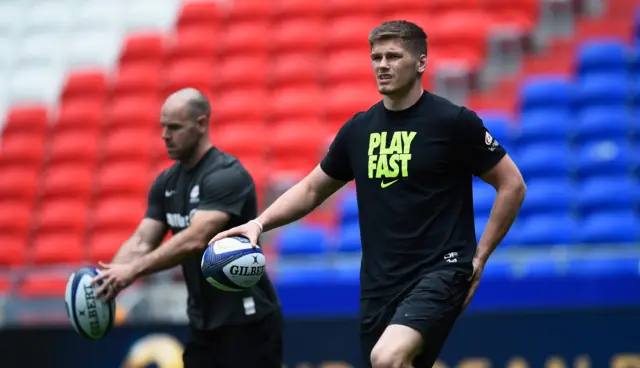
(232, 264)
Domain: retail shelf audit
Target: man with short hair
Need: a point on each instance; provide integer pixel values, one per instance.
(203, 193)
(412, 156)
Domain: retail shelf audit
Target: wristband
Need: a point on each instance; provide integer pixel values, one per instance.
(259, 225)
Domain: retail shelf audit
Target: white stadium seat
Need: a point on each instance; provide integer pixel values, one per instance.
(11, 18)
(53, 16)
(98, 14)
(93, 49)
(7, 53)
(34, 85)
(151, 14)
(40, 49)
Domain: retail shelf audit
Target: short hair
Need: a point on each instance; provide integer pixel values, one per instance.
(412, 36)
(198, 105)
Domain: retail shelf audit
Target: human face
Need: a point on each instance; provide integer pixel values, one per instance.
(179, 132)
(396, 69)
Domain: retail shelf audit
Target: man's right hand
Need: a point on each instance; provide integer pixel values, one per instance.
(250, 230)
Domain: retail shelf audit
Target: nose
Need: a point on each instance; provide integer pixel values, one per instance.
(384, 64)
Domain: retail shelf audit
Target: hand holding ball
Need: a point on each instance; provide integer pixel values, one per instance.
(233, 264)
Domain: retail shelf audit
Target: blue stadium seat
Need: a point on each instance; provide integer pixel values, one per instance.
(302, 273)
(608, 193)
(548, 196)
(543, 126)
(548, 230)
(598, 267)
(545, 161)
(483, 196)
(601, 123)
(512, 237)
(604, 158)
(349, 239)
(540, 267)
(348, 209)
(302, 239)
(546, 92)
(498, 269)
(480, 223)
(497, 124)
(602, 55)
(610, 227)
(603, 90)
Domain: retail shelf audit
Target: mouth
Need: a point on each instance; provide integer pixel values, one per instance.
(384, 78)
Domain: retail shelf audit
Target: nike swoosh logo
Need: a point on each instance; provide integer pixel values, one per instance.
(384, 185)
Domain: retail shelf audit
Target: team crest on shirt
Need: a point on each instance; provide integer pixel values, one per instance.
(491, 143)
(194, 197)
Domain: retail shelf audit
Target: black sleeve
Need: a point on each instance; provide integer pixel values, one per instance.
(155, 200)
(225, 190)
(479, 151)
(336, 163)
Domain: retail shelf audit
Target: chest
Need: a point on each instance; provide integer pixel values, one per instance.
(181, 199)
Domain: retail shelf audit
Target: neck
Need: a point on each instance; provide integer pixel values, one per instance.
(402, 100)
(198, 153)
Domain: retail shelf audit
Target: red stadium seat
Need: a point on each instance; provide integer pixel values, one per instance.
(345, 101)
(521, 15)
(104, 246)
(129, 145)
(301, 34)
(58, 249)
(90, 83)
(18, 184)
(15, 221)
(189, 73)
(241, 105)
(142, 47)
(26, 118)
(139, 111)
(443, 7)
(298, 8)
(22, 149)
(341, 7)
(240, 72)
(347, 67)
(293, 103)
(123, 179)
(240, 39)
(80, 115)
(75, 147)
(350, 32)
(461, 37)
(43, 285)
(138, 78)
(408, 6)
(241, 10)
(14, 249)
(292, 141)
(74, 182)
(198, 13)
(295, 69)
(194, 42)
(118, 214)
(64, 216)
(241, 142)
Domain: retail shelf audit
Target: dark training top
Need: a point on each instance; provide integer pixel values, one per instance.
(413, 173)
(218, 182)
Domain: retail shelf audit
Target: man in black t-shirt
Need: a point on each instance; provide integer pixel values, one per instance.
(412, 156)
(203, 193)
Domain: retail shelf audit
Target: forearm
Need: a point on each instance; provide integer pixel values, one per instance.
(293, 205)
(132, 249)
(169, 255)
(503, 214)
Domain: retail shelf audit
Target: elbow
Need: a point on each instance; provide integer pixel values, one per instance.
(519, 188)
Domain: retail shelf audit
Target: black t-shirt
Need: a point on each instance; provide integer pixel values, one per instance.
(217, 182)
(413, 172)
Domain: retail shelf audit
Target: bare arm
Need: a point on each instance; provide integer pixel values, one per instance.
(145, 238)
(300, 199)
(510, 187)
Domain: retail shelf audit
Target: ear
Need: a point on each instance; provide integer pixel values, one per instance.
(202, 122)
(422, 63)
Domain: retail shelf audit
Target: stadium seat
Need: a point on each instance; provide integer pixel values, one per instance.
(350, 32)
(606, 227)
(608, 194)
(543, 126)
(232, 107)
(243, 10)
(116, 214)
(545, 92)
(85, 84)
(123, 179)
(240, 39)
(80, 115)
(497, 124)
(556, 229)
(520, 16)
(194, 13)
(14, 250)
(602, 56)
(16, 217)
(104, 246)
(349, 239)
(39, 49)
(58, 249)
(63, 216)
(335, 8)
(134, 112)
(301, 34)
(138, 79)
(603, 90)
(603, 123)
(483, 197)
(342, 102)
(194, 42)
(129, 145)
(43, 285)
(240, 73)
(144, 15)
(32, 119)
(18, 184)
(543, 161)
(293, 143)
(292, 70)
(604, 158)
(348, 207)
(603, 267)
(72, 182)
(30, 85)
(540, 267)
(142, 47)
(460, 37)
(548, 196)
(192, 73)
(287, 9)
(22, 149)
(302, 240)
(498, 269)
(348, 67)
(49, 16)
(241, 142)
(80, 148)
(95, 48)
(296, 103)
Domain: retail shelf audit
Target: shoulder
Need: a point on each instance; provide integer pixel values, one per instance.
(362, 118)
(162, 178)
(444, 109)
(224, 168)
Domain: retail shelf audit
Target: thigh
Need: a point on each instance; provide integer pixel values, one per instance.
(431, 308)
(257, 344)
(197, 351)
(375, 315)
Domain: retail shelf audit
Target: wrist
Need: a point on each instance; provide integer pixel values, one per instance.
(258, 223)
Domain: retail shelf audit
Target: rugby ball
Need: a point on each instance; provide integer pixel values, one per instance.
(91, 317)
(232, 264)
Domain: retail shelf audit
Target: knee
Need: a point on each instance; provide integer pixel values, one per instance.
(382, 357)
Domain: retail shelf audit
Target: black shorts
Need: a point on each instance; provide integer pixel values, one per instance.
(257, 344)
(430, 306)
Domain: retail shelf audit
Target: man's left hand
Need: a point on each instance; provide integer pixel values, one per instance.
(478, 267)
(115, 277)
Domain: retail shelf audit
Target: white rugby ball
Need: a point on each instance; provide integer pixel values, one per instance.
(232, 264)
(91, 317)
